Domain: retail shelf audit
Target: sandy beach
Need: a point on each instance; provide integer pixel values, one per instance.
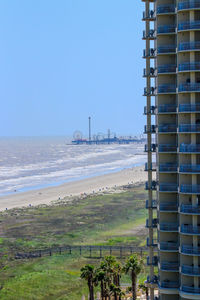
(97, 184)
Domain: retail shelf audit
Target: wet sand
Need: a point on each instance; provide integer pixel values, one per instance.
(108, 182)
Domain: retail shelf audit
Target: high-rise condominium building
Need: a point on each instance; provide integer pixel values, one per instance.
(172, 53)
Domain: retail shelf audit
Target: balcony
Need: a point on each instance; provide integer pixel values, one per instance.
(189, 87)
(166, 49)
(187, 46)
(169, 227)
(190, 229)
(190, 289)
(151, 110)
(168, 207)
(150, 129)
(154, 280)
(152, 186)
(190, 128)
(194, 66)
(167, 89)
(190, 270)
(151, 53)
(167, 108)
(190, 250)
(167, 148)
(166, 29)
(189, 25)
(169, 266)
(189, 148)
(168, 187)
(167, 128)
(152, 243)
(189, 107)
(190, 209)
(194, 169)
(152, 148)
(167, 284)
(190, 189)
(153, 205)
(150, 15)
(151, 167)
(150, 92)
(151, 73)
(189, 4)
(151, 34)
(168, 167)
(165, 9)
(154, 261)
(168, 68)
(153, 225)
(169, 246)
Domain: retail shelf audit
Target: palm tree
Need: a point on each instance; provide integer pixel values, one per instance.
(134, 266)
(88, 274)
(100, 276)
(116, 291)
(144, 288)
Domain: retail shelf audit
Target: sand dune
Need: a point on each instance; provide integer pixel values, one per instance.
(96, 184)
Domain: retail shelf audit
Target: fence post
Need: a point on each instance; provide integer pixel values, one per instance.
(110, 250)
(50, 252)
(120, 252)
(70, 250)
(131, 250)
(90, 251)
(60, 250)
(80, 249)
(40, 253)
(100, 252)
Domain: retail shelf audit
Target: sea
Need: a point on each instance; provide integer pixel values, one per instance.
(28, 163)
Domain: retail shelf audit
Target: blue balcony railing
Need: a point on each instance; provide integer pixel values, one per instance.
(194, 66)
(169, 206)
(168, 68)
(190, 209)
(164, 9)
(151, 53)
(168, 167)
(151, 167)
(190, 229)
(166, 88)
(149, 34)
(154, 280)
(190, 289)
(189, 46)
(152, 243)
(189, 25)
(167, 284)
(169, 246)
(169, 227)
(189, 168)
(153, 225)
(189, 148)
(152, 148)
(189, 107)
(168, 187)
(188, 249)
(152, 205)
(190, 270)
(150, 129)
(189, 87)
(166, 49)
(169, 266)
(189, 4)
(166, 29)
(152, 186)
(190, 188)
(150, 111)
(167, 148)
(154, 261)
(167, 128)
(149, 15)
(167, 108)
(189, 128)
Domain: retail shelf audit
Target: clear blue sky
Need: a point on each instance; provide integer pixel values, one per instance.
(63, 60)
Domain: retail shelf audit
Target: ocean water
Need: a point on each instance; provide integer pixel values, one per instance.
(32, 163)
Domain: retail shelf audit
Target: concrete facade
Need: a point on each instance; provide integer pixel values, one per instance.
(172, 53)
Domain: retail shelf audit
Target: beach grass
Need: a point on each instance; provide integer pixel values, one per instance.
(107, 219)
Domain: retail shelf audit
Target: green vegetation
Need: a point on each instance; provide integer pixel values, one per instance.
(110, 219)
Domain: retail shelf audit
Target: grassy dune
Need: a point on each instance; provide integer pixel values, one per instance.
(110, 219)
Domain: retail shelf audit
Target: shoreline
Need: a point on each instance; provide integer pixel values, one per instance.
(92, 185)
